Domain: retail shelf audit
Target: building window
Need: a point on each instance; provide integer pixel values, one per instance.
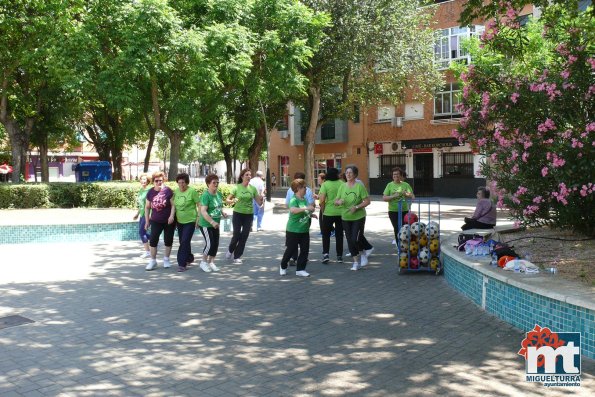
(386, 113)
(327, 131)
(447, 47)
(284, 171)
(390, 161)
(446, 100)
(457, 164)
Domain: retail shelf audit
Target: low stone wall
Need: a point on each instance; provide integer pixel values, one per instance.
(524, 300)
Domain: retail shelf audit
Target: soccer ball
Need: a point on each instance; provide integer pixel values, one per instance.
(410, 218)
(423, 240)
(403, 246)
(404, 233)
(424, 255)
(403, 260)
(434, 263)
(433, 230)
(417, 229)
(414, 263)
(413, 248)
(434, 246)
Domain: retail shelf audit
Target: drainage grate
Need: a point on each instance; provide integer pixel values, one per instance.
(13, 321)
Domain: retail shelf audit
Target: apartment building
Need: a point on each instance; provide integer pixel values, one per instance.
(415, 136)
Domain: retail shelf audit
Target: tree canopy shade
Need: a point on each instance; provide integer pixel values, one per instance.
(373, 50)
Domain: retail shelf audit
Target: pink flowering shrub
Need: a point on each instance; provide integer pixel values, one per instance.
(528, 105)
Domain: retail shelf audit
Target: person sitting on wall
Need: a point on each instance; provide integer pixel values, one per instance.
(484, 216)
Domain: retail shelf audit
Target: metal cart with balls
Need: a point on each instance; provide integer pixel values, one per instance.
(418, 244)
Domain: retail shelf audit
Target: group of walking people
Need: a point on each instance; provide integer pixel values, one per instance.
(342, 198)
(162, 210)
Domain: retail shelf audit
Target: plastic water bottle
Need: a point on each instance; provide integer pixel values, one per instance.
(552, 270)
(475, 251)
(494, 261)
(491, 247)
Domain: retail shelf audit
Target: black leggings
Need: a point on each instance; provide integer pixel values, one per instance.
(241, 230)
(168, 235)
(473, 224)
(354, 233)
(326, 226)
(211, 236)
(295, 241)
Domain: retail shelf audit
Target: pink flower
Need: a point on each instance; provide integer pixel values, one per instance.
(527, 144)
(544, 171)
(572, 59)
(591, 61)
(565, 74)
(514, 97)
(558, 161)
(485, 98)
(525, 156)
(537, 199)
(576, 143)
(521, 190)
(590, 127)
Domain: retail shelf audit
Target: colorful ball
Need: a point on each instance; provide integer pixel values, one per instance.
(403, 260)
(404, 233)
(434, 263)
(417, 229)
(433, 230)
(424, 255)
(414, 263)
(434, 246)
(413, 248)
(410, 218)
(423, 240)
(403, 246)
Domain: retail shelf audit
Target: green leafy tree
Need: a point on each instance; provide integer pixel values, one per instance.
(373, 50)
(30, 31)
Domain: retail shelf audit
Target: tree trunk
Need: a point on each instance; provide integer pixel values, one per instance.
(100, 145)
(43, 156)
(256, 148)
(117, 163)
(175, 141)
(18, 149)
(310, 137)
(152, 131)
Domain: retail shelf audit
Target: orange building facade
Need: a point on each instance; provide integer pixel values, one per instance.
(415, 136)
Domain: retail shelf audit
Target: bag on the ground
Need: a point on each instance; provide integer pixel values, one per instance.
(463, 238)
(502, 249)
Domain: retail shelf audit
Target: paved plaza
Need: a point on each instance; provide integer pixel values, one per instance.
(106, 327)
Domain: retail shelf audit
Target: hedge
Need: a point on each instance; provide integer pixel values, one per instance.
(71, 195)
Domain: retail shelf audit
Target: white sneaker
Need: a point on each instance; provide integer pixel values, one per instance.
(237, 261)
(363, 259)
(205, 267)
(145, 255)
(394, 242)
(213, 267)
(152, 264)
(302, 273)
(348, 254)
(369, 252)
(228, 255)
(166, 263)
(355, 266)
(282, 271)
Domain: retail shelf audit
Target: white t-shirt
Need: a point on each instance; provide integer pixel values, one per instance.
(258, 183)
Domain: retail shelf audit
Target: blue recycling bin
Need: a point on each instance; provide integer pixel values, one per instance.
(93, 171)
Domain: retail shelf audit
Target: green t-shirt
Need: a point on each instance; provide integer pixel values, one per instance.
(141, 200)
(401, 188)
(330, 189)
(245, 195)
(185, 203)
(214, 204)
(300, 222)
(352, 196)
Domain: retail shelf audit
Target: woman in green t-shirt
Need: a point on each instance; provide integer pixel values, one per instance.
(185, 207)
(297, 233)
(241, 196)
(353, 198)
(397, 191)
(211, 212)
(141, 199)
(331, 215)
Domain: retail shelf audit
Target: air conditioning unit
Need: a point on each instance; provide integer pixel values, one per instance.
(397, 122)
(394, 147)
(283, 134)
